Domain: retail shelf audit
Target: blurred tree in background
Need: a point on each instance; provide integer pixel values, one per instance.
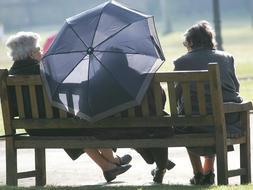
(217, 23)
(167, 27)
(169, 14)
(251, 11)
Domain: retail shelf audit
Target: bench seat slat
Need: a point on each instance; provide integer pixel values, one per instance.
(164, 121)
(92, 142)
(77, 142)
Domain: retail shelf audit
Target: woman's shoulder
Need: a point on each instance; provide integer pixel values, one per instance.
(25, 67)
(181, 59)
(223, 53)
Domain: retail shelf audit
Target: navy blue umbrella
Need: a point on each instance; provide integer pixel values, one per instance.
(102, 61)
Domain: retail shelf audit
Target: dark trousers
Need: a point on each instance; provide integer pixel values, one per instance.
(155, 155)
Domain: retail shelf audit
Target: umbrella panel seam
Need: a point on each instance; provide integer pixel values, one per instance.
(97, 25)
(68, 74)
(88, 88)
(63, 53)
(118, 32)
(77, 34)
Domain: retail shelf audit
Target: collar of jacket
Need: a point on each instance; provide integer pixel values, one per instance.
(200, 49)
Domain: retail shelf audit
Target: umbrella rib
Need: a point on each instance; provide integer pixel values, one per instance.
(124, 53)
(111, 75)
(68, 74)
(62, 53)
(77, 34)
(88, 81)
(97, 26)
(106, 51)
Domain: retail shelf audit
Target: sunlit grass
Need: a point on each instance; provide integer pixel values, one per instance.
(246, 89)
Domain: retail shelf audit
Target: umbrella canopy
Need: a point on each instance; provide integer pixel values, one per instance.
(102, 61)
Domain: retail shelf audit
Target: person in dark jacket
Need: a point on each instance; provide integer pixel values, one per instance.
(26, 54)
(200, 43)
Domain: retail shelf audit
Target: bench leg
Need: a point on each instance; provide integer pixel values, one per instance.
(222, 170)
(222, 163)
(11, 162)
(40, 166)
(245, 158)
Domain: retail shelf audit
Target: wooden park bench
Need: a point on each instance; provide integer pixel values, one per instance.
(219, 139)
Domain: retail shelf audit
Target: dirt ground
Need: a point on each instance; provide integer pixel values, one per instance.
(62, 171)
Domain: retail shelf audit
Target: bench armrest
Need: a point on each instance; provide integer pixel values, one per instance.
(230, 107)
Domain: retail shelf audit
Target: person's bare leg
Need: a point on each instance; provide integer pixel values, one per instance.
(195, 162)
(95, 155)
(208, 164)
(107, 153)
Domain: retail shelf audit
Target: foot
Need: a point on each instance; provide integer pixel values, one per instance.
(126, 159)
(170, 165)
(197, 179)
(208, 178)
(113, 173)
(158, 175)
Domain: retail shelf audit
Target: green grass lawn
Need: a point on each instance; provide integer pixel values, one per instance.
(155, 187)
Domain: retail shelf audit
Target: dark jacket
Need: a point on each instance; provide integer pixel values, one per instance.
(198, 59)
(25, 67)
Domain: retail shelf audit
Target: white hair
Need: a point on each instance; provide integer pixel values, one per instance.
(22, 44)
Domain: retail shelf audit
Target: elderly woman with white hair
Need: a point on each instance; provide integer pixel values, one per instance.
(25, 52)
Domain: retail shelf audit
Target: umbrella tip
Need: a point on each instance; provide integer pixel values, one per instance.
(90, 50)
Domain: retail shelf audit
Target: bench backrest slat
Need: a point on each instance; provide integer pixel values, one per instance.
(20, 102)
(131, 112)
(144, 106)
(33, 99)
(187, 98)
(63, 114)
(172, 96)
(48, 107)
(158, 99)
(201, 98)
